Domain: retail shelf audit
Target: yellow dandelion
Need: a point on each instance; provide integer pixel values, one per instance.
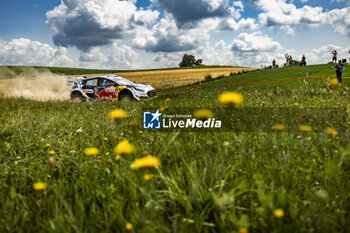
(148, 161)
(331, 131)
(230, 98)
(279, 127)
(134, 123)
(107, 153)
(128, 226)
(141, 132)
(167, 100)
(124, 147)
(39, 186)
(279, 213)
(92, 151)
(105, 139)
(305, 128)
(148, 177)
(118, 114)
(334, 82)
(161, 109)
(51, 152)
(243, 230)
(203, 114)
(117, 157)
(48, 144)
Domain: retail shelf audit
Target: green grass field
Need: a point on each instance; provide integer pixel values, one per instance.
(209, 181)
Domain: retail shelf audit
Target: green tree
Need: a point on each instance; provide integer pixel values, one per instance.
(190, 60)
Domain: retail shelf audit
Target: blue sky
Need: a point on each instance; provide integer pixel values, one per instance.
(133, 34)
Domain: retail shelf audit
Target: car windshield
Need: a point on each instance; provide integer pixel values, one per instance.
(123, 81)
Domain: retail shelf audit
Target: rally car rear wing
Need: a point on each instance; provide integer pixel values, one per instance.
(72, 80)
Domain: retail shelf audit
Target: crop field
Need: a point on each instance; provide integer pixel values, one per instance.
(178, 77)
(70, 167)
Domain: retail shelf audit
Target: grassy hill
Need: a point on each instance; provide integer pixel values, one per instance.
(220, 180)
(322, 70)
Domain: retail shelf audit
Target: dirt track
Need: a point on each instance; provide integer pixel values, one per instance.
(48, 86)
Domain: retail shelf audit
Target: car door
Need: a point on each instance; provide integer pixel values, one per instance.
(89, 87)
(107, 89)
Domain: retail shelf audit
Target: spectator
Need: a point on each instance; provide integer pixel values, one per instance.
(290, 60)
(340, 69)
(287, 59)
(334, 59)
(303, 61)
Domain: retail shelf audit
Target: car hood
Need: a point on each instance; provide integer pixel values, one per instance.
(143, 87)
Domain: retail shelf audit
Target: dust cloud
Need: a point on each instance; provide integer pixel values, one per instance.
(33, 84)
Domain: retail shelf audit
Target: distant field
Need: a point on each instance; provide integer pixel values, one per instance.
(8, 71)
(159, 78)
(176, 77)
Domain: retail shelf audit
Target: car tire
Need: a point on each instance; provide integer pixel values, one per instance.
(126, 98)
(77, 97)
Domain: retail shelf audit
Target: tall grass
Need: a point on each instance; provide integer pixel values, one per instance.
(208, 181)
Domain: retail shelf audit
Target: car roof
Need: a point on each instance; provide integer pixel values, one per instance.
(113, 78)
(110, 77)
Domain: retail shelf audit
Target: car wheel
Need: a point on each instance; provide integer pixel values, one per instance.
(77, 97)
(126, 98)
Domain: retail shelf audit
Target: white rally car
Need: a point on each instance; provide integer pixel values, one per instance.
(110, 87)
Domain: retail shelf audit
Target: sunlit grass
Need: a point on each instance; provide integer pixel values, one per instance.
(68, 167)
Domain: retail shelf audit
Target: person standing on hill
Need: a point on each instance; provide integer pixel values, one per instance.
(290, 60)
(303, 61)
(340, 69)
(334, 59)
(287, 59)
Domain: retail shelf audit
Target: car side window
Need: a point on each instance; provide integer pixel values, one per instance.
(107, 83)
(92, 82)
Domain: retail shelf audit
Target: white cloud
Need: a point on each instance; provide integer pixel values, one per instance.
(120, 57)
(254, 42)
(27, 52)
(93, 56)
(117, 57)
(239, 4)
(279, 13)
(255, 49)
(89, 23)
(340, 20)
(231, 24)
(165, 36)
(286, 16)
